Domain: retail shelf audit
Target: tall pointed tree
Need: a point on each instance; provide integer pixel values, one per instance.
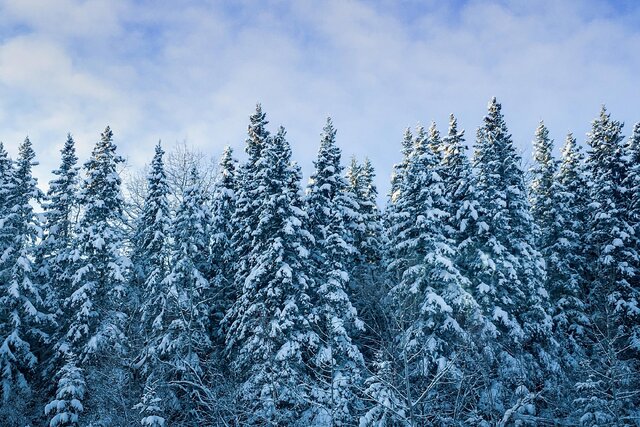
(459, 187)
(93, 317)
(365, 268)
(270, 336)
(247, 198)
(566, 264)
(182, 338)
(338, 362)
(6, 174)
(150, 265)
(23, 322)
(508, 272)
(400, 168)
(430, 300)
(54, 258)
(542, 190)
(609, 391)
(60, 213)
(223, 255)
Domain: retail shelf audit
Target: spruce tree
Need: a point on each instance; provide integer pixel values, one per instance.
(93, 318)
(270, 337)
(181, 340)
(508, 274)
(23, 321)
(6, 174)
(430, 300)
(399, 169)
(223, 252)
(459, 189)
(338, 362)
(60, 217)
(612, 363)
(247, 198)
(542, 190)
(150, 250)
(150, 266)
(365, 266)
(55, 267)
(566, 267)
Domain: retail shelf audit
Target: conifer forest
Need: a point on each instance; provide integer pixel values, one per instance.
(482, 292)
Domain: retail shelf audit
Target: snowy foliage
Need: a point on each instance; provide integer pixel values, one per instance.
(474, 298)
(338, 361)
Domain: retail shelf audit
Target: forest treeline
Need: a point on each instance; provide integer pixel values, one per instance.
(482, 294)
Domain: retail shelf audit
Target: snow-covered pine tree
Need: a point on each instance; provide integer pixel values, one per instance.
(150, 255)
(6, 174)
(398, 223)
(93, 316)
(60, 217)
(566, 264)
(385, 406)
(430, 300)
(54, 257)
(23, 322)
(435, 141)
(66, 407)
(566, 267)
(399, 169)
(365, 267)
(223, 257)
(338, 363)
(245, 218)
(613, 336)
(542, 191)
(632, 187)
(459, 188)
(150, 265)
(508, 274)
(270, 333)
(181, 336)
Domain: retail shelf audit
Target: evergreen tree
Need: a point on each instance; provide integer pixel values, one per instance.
(67, 407)
(6, 174)
(181, 338)
(23, 322)
(508, 274)
(222, 230)
(338, 362)
(566, 262)
(386, 406)
(459, 190)
(150, 250)
(399, 169)
(542, 190)
(248, 201)
(270, 335)
(150, 266)
(55, 264)
(365, 268)
(431, 304)
(93, 317)
(60, 216)
(613, 335)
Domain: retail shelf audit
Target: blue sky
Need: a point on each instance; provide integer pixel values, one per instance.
(193, 70)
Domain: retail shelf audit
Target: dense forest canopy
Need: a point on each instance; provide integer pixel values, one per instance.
(481, 294)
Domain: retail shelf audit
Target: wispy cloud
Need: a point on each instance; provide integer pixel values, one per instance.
(194, 70)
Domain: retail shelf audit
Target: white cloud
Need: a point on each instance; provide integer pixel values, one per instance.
(194, 70)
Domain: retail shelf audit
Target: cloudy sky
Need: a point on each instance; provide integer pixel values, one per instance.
(193, 70)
